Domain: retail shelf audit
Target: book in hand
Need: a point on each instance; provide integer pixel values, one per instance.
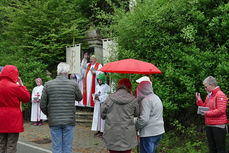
(201, 108)
(35, 98)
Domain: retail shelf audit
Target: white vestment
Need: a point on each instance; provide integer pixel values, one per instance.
(36, 113)
(89, 83)
(80, 78)
(103, 92)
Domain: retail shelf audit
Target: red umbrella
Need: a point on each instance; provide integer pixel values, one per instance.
(130, 66)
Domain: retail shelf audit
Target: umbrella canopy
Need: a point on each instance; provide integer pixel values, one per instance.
(130, 66)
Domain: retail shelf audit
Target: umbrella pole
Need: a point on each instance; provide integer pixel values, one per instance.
(150, 78)
(109, 79)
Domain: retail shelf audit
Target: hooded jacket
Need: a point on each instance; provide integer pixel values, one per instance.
(150, 121)
(119, 110)
(11, 94)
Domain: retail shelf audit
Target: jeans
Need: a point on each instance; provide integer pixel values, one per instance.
(62, 138)
(149, 144)
(216, 139)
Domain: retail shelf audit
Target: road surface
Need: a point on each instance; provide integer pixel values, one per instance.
(23, 147)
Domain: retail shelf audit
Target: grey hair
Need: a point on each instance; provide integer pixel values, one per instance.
(210, 80)
(63, 68)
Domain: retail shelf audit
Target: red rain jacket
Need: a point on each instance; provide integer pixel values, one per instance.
(11, 120)
(218, 106)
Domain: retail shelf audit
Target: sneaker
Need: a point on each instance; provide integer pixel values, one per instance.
(39, 124)
(34, 124)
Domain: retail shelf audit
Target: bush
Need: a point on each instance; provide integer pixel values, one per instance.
(186, 40)
(41, 29)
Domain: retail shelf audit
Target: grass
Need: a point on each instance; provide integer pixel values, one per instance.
(175, 143)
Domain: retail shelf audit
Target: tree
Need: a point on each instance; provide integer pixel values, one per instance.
(186, 40)
(34, 34)
(42, 29)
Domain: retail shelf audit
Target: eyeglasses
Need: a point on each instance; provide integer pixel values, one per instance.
(206, 86)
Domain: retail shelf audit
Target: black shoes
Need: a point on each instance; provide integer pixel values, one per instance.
(98, 134)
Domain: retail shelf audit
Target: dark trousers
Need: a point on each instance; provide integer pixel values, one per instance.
(8, 142)
(216, 139)
(127, 151)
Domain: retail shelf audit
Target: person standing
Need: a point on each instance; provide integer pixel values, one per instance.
(11, 119)
(80, 77)
(90, 81)
(118, 111)
(150, 123)
(216, 118)
(83, 66)
(58, 103)
(36, 114)
(102, 91)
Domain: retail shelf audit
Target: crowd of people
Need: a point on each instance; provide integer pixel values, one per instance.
(123, 118)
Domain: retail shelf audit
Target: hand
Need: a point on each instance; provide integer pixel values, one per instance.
(198, 96)
(19, 81)
(93, 71)
(97, 98)
(203, 113)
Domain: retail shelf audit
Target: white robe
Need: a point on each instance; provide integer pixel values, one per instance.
(36, 113)
(80, 78)
(89, 83)
(98, 123)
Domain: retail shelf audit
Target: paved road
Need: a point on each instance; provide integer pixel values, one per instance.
(23, 147)
(33, 140)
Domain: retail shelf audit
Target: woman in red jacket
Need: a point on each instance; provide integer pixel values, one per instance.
(216, 118)
(11, 120)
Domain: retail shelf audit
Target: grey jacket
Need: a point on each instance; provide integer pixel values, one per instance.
(58, 101)
(150, 122)
(119, 110)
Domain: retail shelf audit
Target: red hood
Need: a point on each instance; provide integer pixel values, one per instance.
(11, 72)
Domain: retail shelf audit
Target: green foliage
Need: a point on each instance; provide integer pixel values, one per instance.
(186, 40)
(101, 13)
(29, 70)
(34, 35)
(191, 141)
(171, 142)
(42, 29)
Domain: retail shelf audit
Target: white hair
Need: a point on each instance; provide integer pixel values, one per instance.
(63, 68)
(210, 80)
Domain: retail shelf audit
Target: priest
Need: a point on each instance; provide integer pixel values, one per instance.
(90, 82)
